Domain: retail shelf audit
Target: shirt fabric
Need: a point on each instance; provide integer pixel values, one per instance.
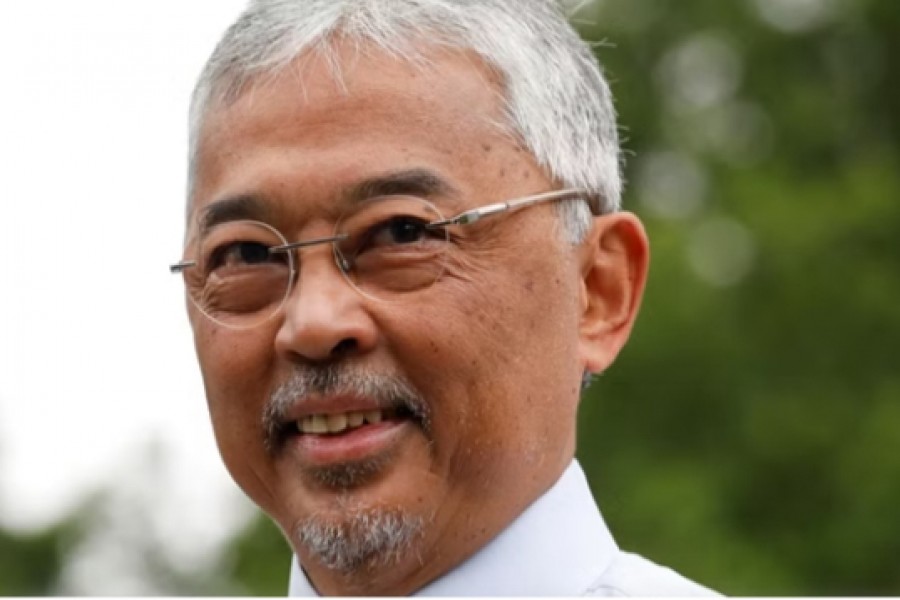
(560, 546)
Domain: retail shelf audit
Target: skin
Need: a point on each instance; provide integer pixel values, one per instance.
(496, 347)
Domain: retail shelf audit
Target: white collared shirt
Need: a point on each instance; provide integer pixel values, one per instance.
(560, 546)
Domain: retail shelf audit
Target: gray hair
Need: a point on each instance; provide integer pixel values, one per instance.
(556, 100)
(361, 540)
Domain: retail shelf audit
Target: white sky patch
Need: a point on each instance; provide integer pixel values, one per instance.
(96, 359)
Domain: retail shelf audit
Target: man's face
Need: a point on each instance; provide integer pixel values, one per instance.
(483, 365)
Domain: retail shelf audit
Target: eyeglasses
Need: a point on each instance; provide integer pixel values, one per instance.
(240, 273)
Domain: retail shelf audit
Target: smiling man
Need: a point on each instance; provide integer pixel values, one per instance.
(403, 257)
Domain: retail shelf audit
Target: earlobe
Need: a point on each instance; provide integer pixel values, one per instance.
(614, 264)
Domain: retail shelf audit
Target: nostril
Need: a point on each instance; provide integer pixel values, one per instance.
(345, 346)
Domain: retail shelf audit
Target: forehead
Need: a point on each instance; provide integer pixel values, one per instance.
(310, 129)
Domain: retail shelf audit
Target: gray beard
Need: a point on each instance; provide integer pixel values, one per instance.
(362, 541)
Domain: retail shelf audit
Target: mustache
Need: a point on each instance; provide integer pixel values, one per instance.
(339, 379)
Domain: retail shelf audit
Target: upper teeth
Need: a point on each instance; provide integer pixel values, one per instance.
(336, 423)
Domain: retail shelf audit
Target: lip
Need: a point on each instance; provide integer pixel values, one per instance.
(356, 445)
(331, 405)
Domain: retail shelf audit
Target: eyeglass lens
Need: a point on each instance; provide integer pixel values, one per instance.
(388, 250)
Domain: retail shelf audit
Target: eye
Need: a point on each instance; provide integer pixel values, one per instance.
(390, 232)
(399, 231)
(241, 253)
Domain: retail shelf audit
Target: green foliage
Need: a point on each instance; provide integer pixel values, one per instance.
(30, 563)
(749, 433)
(260, 558)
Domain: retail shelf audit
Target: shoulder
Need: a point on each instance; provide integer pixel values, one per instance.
(633, 575)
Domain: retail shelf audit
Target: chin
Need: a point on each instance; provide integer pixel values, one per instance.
(359, 541)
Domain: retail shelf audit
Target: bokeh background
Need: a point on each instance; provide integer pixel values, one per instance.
(749, 435)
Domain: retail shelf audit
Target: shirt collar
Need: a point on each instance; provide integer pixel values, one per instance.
(560, 545)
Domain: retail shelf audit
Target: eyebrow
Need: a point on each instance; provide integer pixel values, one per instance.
(412, 182)
(245, 207)
(409, 182)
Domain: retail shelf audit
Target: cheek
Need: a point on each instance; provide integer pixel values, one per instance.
(233, 361)
(494, 344)
(236, 369)
(515, 307)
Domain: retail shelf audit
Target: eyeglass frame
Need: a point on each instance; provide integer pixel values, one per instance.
(464, 218)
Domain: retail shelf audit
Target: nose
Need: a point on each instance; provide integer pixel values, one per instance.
(324, 317)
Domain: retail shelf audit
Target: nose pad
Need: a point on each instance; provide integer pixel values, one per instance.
(343, 264)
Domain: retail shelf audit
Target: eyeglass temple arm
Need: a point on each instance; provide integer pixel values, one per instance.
(470, 216)
(179, 267)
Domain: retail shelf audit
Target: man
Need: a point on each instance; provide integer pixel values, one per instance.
(403, 257)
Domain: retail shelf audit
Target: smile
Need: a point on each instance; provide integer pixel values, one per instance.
(320, 420)
(336, 423)
(322, 441)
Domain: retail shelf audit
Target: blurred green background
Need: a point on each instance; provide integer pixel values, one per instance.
(749, 435)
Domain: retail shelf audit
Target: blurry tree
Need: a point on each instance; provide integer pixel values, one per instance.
(258, 559)
(30, 563)
(129, 546)
(750, 433)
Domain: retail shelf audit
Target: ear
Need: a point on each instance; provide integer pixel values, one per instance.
(614, 263)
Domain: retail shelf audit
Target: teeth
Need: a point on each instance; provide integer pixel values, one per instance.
(337, 423)
(319, 424)
(313, 424)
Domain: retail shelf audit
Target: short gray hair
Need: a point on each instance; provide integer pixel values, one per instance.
(557, 102)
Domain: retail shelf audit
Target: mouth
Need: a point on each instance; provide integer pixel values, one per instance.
(329, 439)
(342, 441)
(337, 424)
(323, 419)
